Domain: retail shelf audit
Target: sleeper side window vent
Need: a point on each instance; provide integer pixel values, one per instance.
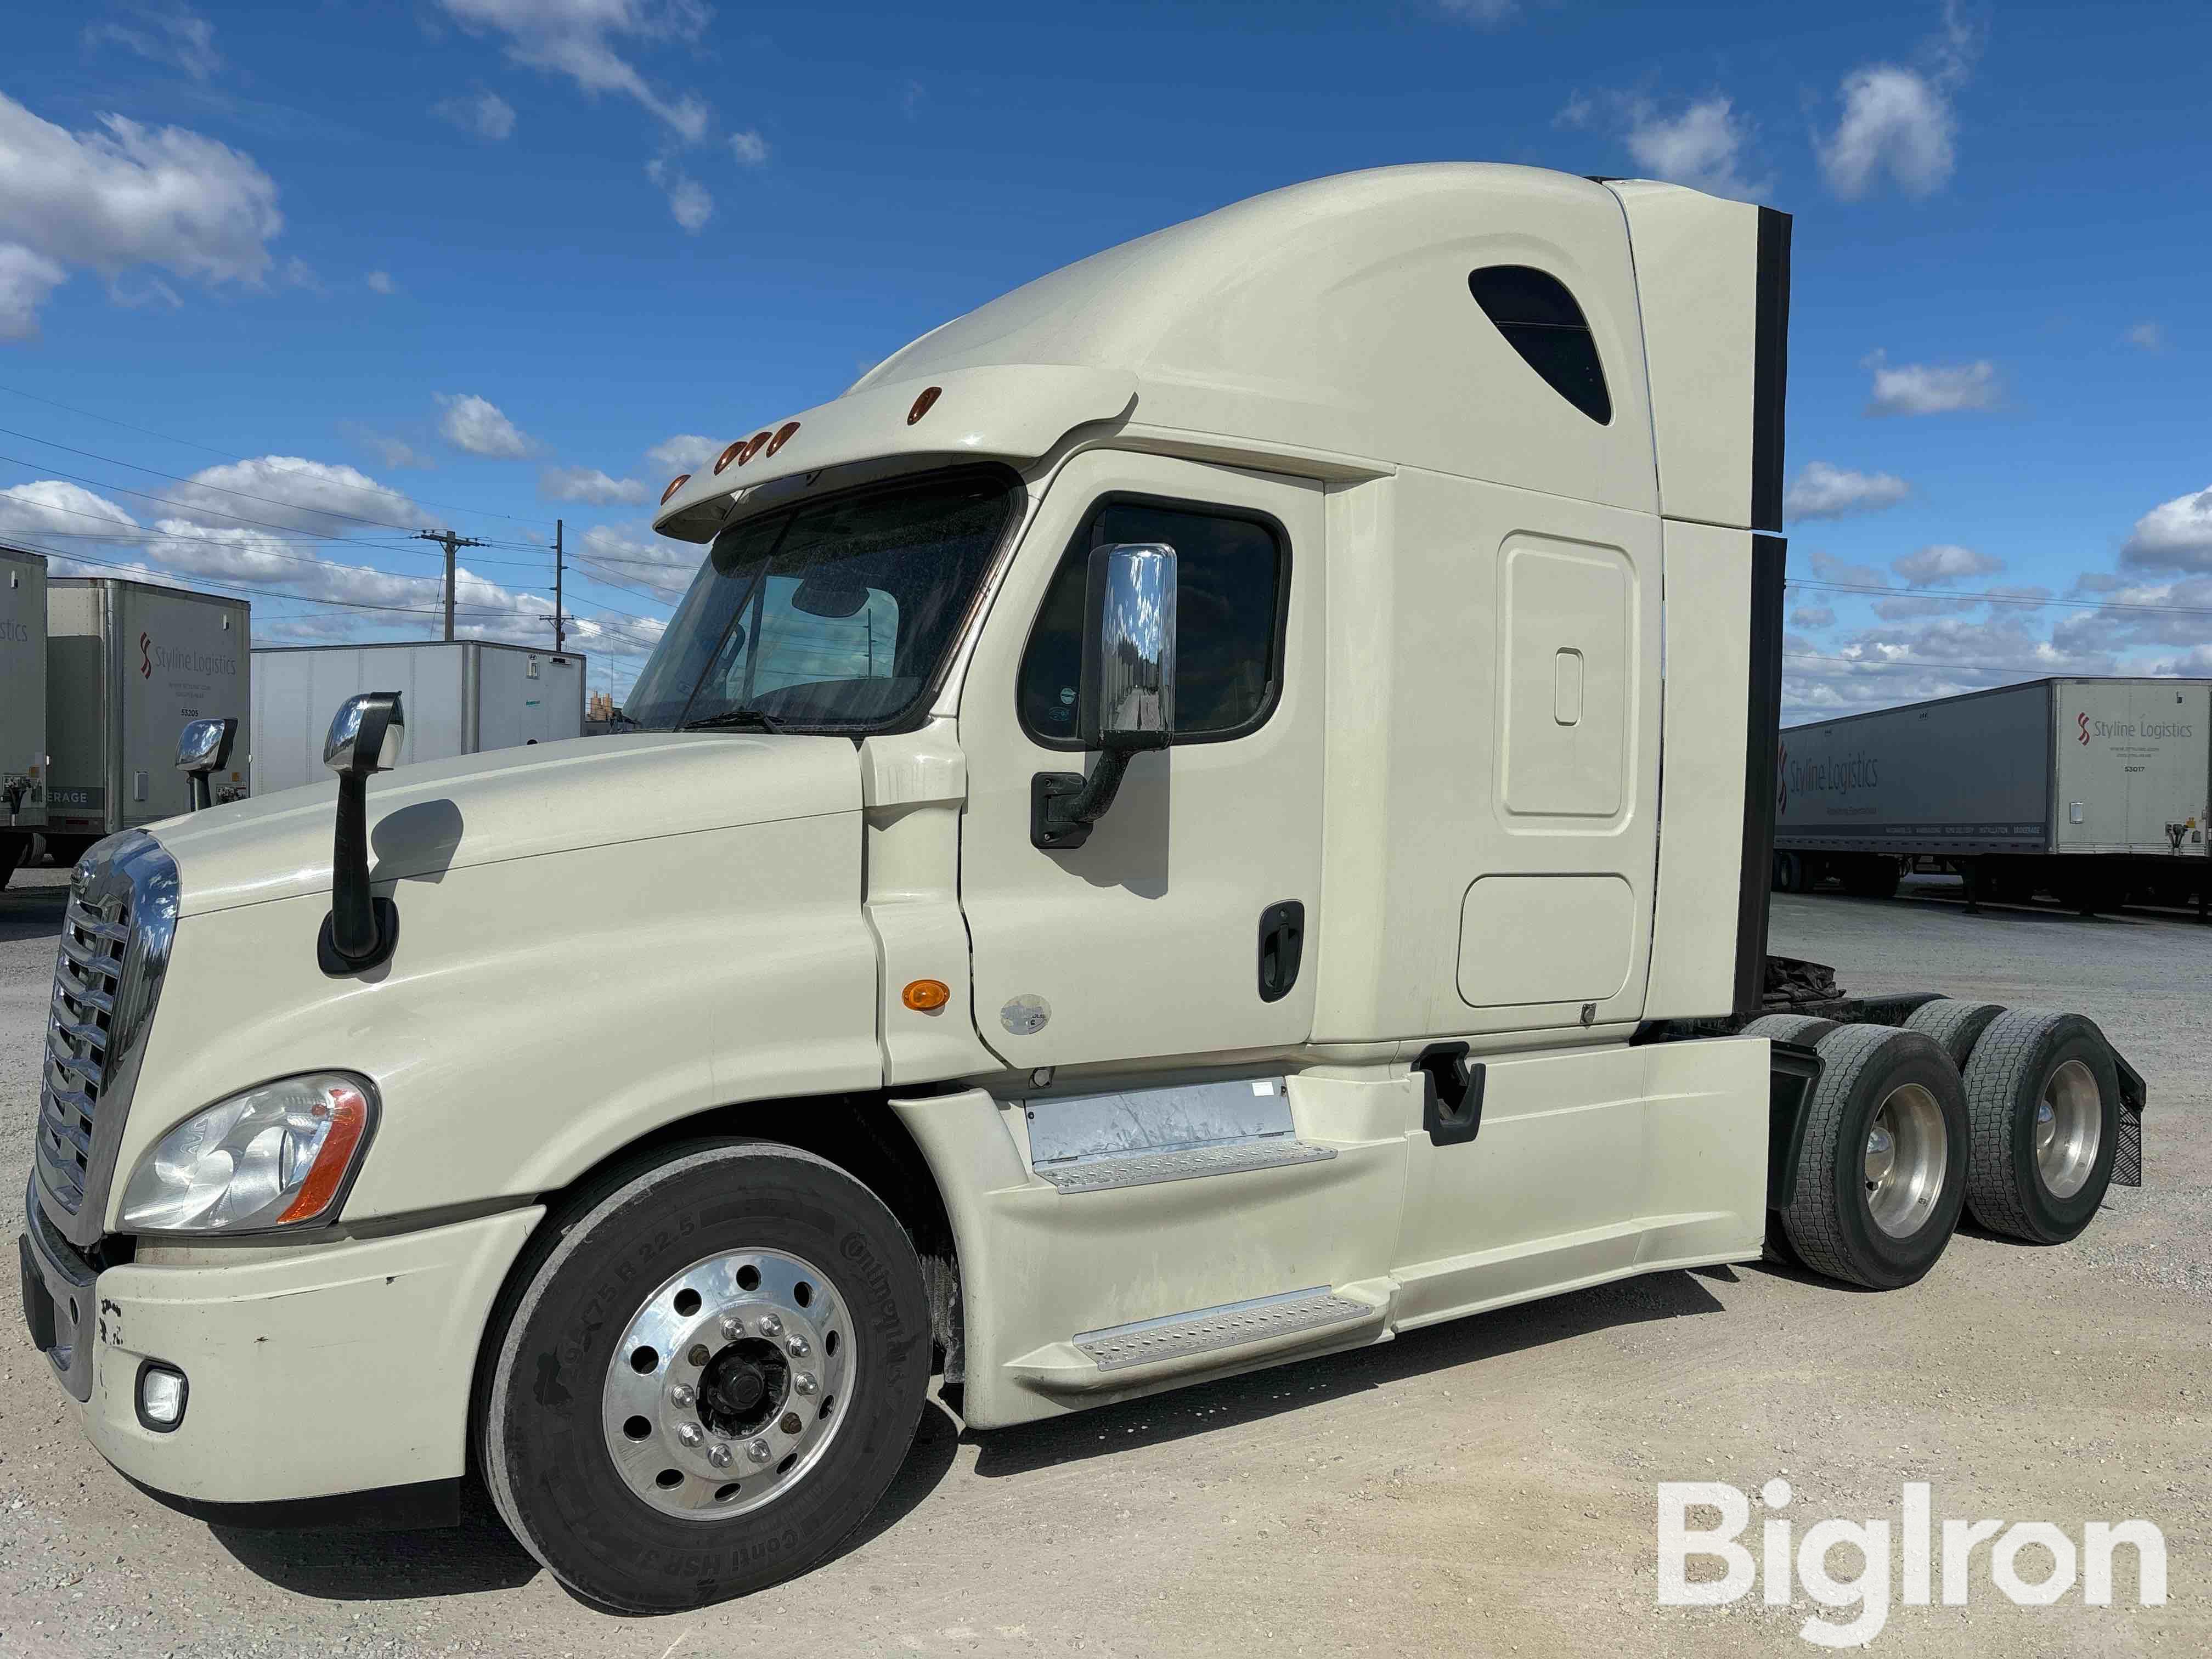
(1541, 321)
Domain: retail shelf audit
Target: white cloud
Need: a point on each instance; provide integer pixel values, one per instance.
(584, 483)
(318, 497)
(2151, 337)
(380, 281)
(52, 506)
(1488, 13)
(126, 197)
(685, 452)
(1944, 563)
(575, 38)
(174, 36)
(486, 114)
(473, 423)
(1896, 122)
(688, 199)
(1822, 491)
(1828, 569)
(2175, 535)
(653, 565)
(1704, 147)
(1812, 616)
(1932, 388)
(25, 280)
(750, 148)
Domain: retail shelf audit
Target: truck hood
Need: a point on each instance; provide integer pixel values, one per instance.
(511, 804)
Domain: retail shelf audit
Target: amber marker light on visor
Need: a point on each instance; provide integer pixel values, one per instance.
(926, 996)
(674, 484)
(728, 455)
(782, 436)
(924, 404)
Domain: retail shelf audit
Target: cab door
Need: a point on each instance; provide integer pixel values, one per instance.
(1149, 940)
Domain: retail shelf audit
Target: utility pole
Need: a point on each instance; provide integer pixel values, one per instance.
(449, 541)
(560, 633)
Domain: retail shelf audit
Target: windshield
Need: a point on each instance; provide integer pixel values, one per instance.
(832, 614)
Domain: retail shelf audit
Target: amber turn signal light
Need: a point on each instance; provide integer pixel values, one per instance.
(926, 996)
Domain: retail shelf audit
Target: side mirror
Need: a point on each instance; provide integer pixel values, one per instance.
(361, 930)
(204, 746)
(365, 735)
(1129, 687)
(1129, 647)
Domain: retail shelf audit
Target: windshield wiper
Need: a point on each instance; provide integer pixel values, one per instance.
(734, 718)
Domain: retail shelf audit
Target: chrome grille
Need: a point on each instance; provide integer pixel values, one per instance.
(108, 968)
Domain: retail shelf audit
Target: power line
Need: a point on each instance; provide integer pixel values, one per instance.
(231, 455)
(2040, 670)
(2001, 598)
(234, 590)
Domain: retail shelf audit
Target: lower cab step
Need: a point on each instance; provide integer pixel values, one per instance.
(1233, 1336)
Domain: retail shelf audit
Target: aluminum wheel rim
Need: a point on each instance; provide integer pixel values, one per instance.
(1907, 1154)
(688, 1433)
(2069, 1123)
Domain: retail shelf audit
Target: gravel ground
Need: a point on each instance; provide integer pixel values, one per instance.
(1484, 1487)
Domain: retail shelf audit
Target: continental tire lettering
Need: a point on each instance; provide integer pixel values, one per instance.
(876, 1280)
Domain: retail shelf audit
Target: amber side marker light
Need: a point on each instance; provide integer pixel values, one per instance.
(348, 1115)
(924, 404)
(674, 484)
(728, 455)
(926, 996)
(782, 436)
(753, 446)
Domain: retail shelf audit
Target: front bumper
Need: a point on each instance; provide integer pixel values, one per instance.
(336, 1368)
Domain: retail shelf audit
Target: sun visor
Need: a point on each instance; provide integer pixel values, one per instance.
(1013, 411)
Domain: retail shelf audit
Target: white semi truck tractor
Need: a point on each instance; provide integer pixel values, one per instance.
(1145, 855)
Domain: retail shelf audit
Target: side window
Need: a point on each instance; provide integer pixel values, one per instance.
(1541, 321)
(1232, 575)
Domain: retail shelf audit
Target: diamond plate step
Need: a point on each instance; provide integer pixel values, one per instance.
(1228, 1327)
(1098, 1174)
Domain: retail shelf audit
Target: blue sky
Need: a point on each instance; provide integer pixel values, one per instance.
(343, 273)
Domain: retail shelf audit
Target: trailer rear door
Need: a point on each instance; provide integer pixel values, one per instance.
(2131, 763)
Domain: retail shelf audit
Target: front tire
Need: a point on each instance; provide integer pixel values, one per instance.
(708, 1380)
(1881, 1169)
(2042, 1097)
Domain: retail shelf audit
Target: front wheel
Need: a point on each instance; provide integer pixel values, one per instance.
(708, 1380)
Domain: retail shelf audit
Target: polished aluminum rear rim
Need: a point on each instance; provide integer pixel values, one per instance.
(1907, 1154)
(2069, 1123)
(728, 1385)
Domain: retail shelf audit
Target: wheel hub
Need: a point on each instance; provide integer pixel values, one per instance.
(2069, 1123)
(1907, 1154)
(728, 1384)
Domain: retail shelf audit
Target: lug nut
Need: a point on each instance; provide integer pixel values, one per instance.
(690, 1434)
(804, 1383)
(759, 1451)
(681, 1397)
(797, 1348)
(732, 1328)
(771, 1326)
(719, 1455)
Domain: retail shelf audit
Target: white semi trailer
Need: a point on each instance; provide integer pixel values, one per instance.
(128, 665)
(463, 697)
(22, 704)
(1149, 858)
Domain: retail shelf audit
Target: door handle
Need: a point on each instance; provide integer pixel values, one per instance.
(1451, 1093)
(1282, 946)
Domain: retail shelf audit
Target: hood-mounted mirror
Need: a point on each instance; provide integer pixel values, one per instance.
(361, 931)
(203, 747)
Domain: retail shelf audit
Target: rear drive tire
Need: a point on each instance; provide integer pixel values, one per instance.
(1808, 1029)
(1881, 1171)
(706, 1378)
(1957, 1026)
(2043, 1098)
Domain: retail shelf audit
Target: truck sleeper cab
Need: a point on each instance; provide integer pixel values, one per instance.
(1145, 856)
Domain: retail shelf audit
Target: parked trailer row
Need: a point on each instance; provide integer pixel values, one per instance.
(2095, 791)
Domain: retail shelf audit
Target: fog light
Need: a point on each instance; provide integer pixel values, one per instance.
(161, 1392)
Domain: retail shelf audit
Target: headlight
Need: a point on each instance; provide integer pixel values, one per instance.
(273, 1156)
